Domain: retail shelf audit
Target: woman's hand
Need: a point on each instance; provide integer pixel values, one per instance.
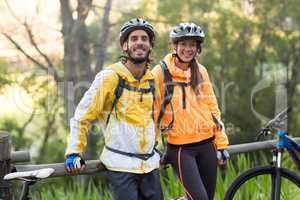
(222, 156)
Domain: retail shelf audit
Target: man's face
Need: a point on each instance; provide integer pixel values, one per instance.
(138, 45)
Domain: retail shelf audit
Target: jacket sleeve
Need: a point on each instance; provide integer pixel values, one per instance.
(90, 108)
(221, 139)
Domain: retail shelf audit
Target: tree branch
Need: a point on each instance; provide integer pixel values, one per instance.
(12, 12)
(27, 121)
(18, 46)
(49, 127)
(32, 41)
(83, 9)
(35, 45)
(129, 14)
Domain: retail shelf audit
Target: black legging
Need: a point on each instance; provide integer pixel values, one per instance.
(196, 167)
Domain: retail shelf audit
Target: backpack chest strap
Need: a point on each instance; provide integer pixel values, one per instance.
(135, 89)
(119, 91)
(183, 85)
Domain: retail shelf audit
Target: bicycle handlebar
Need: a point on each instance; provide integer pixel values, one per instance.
(276, 123)
(278, 119)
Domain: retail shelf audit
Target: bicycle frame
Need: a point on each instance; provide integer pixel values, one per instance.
(284, 142)
(25, 189)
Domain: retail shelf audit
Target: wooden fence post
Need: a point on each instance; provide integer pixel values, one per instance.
(5, 187)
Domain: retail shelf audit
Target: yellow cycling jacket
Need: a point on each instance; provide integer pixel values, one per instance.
(195, 122)
(130, 128)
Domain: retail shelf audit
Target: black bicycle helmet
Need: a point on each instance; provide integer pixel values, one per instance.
(136, 24)
(187, 30)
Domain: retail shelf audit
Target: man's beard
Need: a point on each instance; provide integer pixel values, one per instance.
(140, 59)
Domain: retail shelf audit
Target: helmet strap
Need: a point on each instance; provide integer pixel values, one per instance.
(180, 60)
(133, 60)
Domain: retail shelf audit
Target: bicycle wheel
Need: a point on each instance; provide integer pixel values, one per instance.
(256, 184)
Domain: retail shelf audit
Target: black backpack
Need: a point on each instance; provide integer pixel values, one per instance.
(169, 90)
(118, 93)
(122, 85)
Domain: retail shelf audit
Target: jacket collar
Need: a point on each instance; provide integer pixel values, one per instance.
(122, 70)
(176, 71)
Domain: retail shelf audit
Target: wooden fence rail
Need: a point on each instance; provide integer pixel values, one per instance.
(20, 156)
(94, 166)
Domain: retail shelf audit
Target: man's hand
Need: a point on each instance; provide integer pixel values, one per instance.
(74, 164)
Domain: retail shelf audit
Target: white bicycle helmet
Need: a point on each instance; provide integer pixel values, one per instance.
(136, 24)
(187, 30)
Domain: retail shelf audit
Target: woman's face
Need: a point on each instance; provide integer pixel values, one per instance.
(186, 49)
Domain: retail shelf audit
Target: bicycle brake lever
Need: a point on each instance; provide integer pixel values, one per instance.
(263, 132)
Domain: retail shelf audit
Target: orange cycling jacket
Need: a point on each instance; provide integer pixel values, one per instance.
(193, 122)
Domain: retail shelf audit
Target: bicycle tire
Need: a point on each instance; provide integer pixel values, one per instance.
(259, 171)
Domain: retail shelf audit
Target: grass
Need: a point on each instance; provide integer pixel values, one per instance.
(74, 190)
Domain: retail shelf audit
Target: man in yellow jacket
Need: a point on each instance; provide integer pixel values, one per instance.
(121, 97)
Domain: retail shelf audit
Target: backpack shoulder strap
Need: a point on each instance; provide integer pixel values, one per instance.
(169, 90)
(152, 89)
(168, 82)
(118, 93)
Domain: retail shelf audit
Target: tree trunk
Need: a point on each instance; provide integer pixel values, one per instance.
(93, 137)
(101, 47)
(67, 24)
(78, 74)
(77, 60)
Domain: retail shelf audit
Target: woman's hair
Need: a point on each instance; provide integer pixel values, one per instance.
(196, 76)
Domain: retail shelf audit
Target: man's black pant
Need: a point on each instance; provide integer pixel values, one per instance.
(130, 186)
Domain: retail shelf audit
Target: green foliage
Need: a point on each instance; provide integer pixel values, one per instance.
(60, 189)
(4, 76)
(19, 140)
(171, 11)
(74, 191)
(170, 184)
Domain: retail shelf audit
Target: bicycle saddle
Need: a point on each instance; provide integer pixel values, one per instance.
(35, 174)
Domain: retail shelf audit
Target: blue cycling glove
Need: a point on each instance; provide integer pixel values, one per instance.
(222, 156)
(74, 161)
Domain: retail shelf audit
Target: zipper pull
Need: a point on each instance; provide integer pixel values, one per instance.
(141, 97)
(183, 97)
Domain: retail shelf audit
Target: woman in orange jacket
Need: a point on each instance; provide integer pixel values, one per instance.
(187, 112)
